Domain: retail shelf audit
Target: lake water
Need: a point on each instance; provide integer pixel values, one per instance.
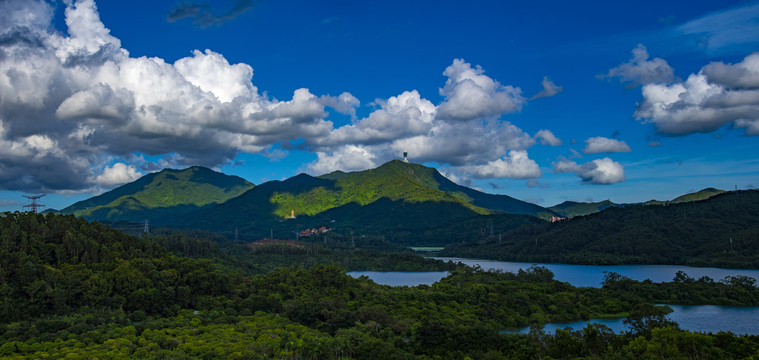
(701, 318)
(577, 275)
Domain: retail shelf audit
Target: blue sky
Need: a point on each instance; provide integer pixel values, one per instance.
(544, 102)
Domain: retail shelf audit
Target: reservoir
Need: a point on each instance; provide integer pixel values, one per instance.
(702, 318)
(576, 275)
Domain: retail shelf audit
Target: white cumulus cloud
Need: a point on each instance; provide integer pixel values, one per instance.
(345, 103)
(639, 70)
(350, 158)
(211, 72)
(93, 102)
(601, 171)
(718, 95)
(76, 101)
(517, 165)
(600, 144)
(547, 137)
(117, 174)
(470, 138)
(549, 89)
(743, 75)
(469, 94)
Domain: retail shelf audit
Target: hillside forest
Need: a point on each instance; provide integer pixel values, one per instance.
(74, 289)
(720, 231)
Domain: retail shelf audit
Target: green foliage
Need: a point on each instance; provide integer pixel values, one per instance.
(720, 231)
(644, 318)
(72, 289)
(369, 253)
(51, 264)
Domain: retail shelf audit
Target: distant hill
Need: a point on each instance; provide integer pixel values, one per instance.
(696, 196)
(396, 196)
(573, 208)
(168, 192)
(720, 231)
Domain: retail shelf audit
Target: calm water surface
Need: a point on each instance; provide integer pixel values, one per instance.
(701, 318)
(592, 275)
(577, 275)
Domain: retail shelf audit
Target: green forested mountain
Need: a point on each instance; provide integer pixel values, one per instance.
(415, 183)
(159, 194)
(720, 231)
(395, 197)
(696, 196)
(574, 208)
(502, 203)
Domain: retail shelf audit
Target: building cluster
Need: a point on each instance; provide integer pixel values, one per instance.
(314, 231)
(558, 219)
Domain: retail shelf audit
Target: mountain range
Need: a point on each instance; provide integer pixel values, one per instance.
(408, 202)
(396, 196)
(719, 231)
(574, 208)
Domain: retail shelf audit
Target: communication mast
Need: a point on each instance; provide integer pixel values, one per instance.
(34, 205)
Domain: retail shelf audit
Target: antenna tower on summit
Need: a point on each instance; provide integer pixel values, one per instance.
(34, 205)
(405, 156)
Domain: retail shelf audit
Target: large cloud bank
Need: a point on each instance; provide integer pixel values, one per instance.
(463, 131)
(73, 105)
(76, 109)
(719, 94)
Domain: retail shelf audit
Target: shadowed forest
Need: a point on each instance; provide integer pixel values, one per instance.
(76, 289)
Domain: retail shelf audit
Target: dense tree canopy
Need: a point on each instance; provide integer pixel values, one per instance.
(720, 231)
(73, 289)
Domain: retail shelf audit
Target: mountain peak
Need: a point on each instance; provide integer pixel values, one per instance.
(167, 191)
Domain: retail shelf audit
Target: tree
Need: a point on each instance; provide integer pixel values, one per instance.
(645, 317)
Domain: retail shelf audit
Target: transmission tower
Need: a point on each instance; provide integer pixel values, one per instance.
(147, 227)
(34, 205)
